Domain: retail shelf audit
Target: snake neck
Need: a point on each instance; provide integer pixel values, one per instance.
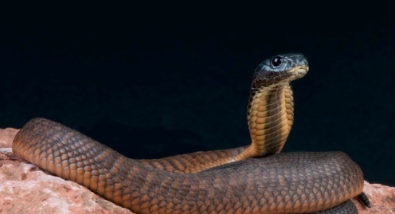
(270, 117)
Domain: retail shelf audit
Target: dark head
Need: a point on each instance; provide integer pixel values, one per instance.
(281, 68)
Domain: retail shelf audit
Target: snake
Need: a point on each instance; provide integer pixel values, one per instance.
(251, 179)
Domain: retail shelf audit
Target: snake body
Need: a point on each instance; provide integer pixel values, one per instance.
(226, 181)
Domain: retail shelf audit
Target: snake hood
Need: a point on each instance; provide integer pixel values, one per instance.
(279, 69)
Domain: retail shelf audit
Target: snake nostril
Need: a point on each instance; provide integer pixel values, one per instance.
(299, 59)
(302, 61)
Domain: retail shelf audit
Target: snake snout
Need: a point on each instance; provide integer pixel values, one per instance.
(301, 65)
(300, 60)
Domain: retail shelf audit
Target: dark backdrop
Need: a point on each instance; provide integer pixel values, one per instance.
(152, 84)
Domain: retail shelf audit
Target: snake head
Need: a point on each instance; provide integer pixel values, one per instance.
(280, 68)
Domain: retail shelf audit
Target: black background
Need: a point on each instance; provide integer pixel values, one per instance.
(157, 81)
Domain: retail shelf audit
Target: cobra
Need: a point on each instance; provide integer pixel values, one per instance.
(251, 179)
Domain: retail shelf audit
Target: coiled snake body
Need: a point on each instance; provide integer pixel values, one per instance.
(225, 181)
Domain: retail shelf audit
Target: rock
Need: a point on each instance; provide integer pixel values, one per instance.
(382, 199)
(24, 188)
(7, 136)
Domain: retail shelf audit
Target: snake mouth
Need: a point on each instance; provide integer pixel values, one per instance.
(299, 71)
(302, 70)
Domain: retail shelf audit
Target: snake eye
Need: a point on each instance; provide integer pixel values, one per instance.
(276, 61)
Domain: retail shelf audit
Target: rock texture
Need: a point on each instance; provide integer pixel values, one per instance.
(24, 188)
(382, 199)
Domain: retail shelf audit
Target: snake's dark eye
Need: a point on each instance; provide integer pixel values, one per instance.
(276, 61)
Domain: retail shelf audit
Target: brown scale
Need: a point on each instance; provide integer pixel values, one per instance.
(270, 118)
(281, 183)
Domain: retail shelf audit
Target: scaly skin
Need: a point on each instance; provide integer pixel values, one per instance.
(281, 183)
(270, 115)
(226, 181)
